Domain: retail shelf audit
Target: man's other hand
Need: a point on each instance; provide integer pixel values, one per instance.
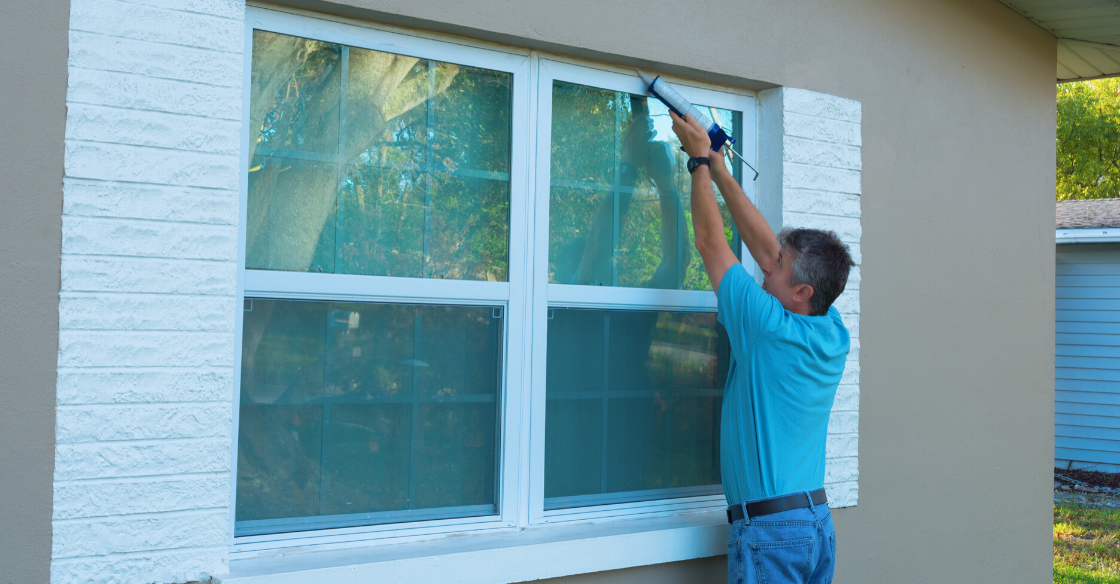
(694, 138)
(718, 164)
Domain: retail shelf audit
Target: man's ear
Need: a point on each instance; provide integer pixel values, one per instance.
(802, 292)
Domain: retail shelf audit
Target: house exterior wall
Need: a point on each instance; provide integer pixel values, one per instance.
(1087, 347)
(957, 139)
(149, 284)
(956, 404)
(33, 40)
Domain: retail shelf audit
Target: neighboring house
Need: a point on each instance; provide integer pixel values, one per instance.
(363, 291)
(1087, 355)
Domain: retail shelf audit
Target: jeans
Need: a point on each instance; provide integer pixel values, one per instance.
(791, 547)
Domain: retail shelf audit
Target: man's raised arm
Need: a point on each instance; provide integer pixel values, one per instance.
(753, 228)
(707, 224)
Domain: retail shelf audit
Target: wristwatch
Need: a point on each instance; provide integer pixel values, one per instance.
(696, 161)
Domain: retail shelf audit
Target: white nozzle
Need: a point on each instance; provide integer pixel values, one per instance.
(645, 78)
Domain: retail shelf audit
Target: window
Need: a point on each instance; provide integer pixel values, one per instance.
(634, 361)
(471, 295)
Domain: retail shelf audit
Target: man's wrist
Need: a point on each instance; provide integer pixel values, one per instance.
(700, 170)
(696, 162)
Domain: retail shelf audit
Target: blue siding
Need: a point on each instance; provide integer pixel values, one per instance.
(1083, 421)
(1087, 355)
(1089, 456)
(1087, 397)
(1089, 432)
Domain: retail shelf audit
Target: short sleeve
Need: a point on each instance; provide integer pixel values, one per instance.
(745, 309)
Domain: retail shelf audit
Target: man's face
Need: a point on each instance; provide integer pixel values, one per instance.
(777, 283)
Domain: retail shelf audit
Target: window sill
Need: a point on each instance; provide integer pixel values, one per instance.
(548, 551)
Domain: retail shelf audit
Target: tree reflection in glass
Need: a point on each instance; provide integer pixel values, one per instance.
(367, 162)
(619, 203)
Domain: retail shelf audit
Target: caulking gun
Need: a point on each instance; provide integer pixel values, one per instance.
(664, 92)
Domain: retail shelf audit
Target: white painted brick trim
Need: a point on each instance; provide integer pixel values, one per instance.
(148, 300)
(811, 166)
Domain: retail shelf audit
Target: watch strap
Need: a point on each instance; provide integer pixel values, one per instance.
(696, 161)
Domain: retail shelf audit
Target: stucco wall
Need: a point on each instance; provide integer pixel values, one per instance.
(957, 139)
(957, 286)
(33, 94)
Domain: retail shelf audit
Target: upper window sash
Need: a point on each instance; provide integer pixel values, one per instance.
(456, 288)
(615, 294)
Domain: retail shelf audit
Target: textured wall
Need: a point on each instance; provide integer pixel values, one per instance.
(146, 317)
(955, 189)
(33, 91)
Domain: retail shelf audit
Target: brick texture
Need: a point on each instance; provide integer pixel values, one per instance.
(148, 302)
(820, 165)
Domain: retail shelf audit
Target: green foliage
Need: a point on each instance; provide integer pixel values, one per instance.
(1089, 140)
(1086, 545)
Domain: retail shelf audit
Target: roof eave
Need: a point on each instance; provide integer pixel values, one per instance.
(1088, 235)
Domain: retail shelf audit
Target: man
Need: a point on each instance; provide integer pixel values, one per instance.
(788, 347)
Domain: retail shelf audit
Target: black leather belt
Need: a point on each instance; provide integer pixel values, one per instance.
(794, 501)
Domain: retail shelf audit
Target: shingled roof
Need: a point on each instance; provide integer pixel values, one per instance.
(1088, 213)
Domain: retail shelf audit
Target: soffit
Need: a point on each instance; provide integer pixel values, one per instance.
(1088, 34)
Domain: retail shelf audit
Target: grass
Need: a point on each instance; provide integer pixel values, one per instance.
(1086, 545)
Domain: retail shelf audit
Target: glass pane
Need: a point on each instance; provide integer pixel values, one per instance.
(366, 162)
(367, 459)
(455, 455)
(278, 468)
(619, 203)
(360, 413)
(573, 446)
(641, 421)
(296, 84)
(281, 188)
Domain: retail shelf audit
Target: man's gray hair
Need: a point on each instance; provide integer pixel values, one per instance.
(819, 259)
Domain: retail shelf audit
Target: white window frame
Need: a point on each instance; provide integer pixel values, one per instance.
(360, 288)
(547, 295)
(525, 297)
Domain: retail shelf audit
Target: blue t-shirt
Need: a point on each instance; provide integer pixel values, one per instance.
(780, 385)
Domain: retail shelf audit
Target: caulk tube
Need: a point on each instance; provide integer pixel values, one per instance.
(663, 91)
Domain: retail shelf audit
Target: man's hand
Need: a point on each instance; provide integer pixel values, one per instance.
(718, 165)
(694, 138)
